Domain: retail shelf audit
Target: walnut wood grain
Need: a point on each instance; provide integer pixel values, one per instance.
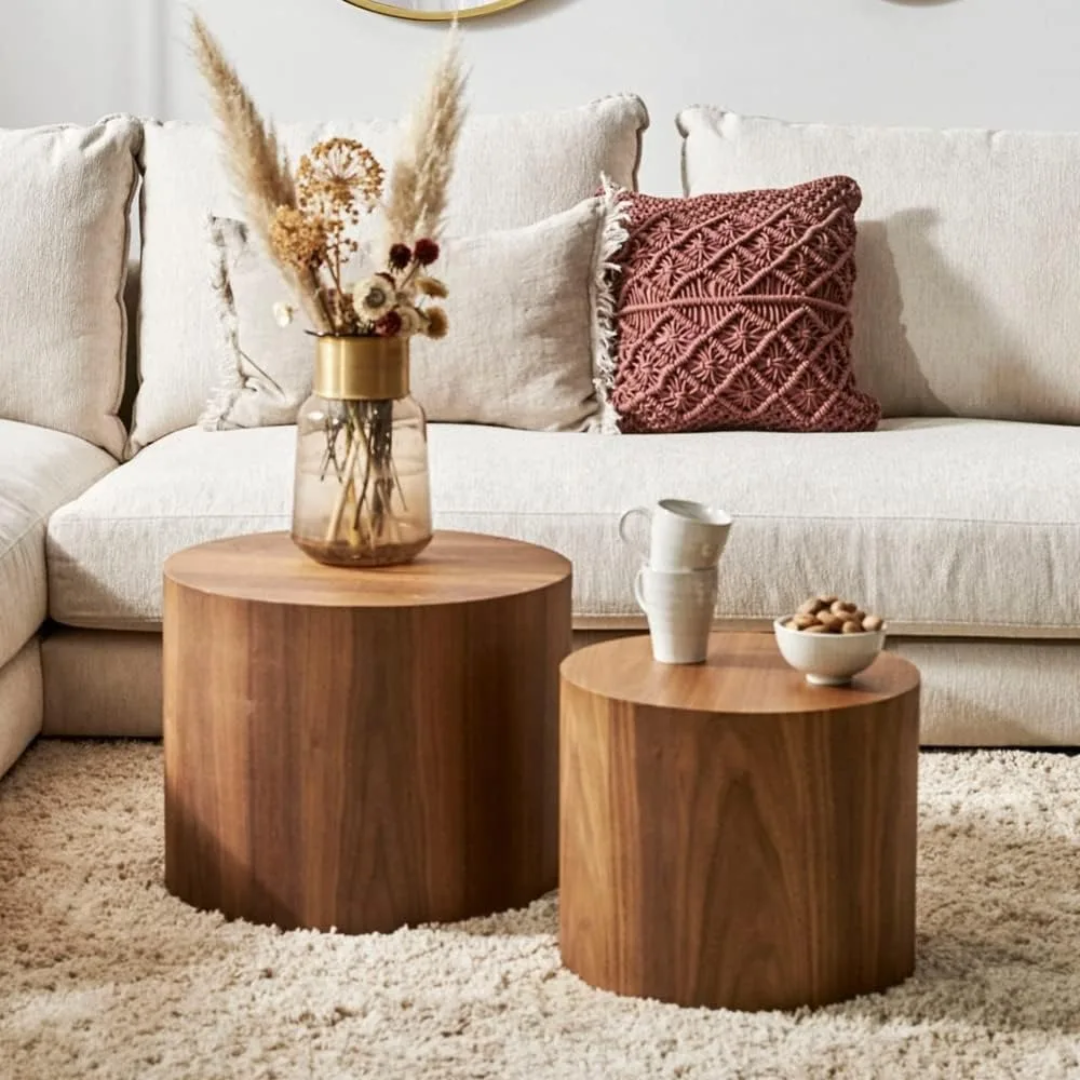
(732, 837)
(362, 749)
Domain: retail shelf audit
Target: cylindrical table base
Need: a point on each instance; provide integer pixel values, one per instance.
(362, 767)
(738, 861)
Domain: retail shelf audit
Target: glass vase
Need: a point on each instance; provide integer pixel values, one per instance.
(362, 496)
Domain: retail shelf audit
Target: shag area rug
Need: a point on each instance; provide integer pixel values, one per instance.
(103, 974)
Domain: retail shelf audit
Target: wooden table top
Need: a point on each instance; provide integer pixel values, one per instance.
(743, 673)
(456, 568)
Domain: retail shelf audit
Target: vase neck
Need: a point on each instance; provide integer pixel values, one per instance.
(362, 368)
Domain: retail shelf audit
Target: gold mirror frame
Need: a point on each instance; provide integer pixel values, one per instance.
(398, 12)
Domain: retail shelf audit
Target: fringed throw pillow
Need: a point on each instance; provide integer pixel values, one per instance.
(734, 311)
(525, 310)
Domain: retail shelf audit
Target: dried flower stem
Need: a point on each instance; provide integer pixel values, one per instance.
(369, 428)
(345, 490)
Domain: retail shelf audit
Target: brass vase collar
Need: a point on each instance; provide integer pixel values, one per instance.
(362, 368)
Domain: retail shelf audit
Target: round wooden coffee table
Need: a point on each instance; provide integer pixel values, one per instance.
(362, 749)
(732, 837)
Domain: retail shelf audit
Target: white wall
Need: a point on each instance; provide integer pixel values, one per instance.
(985, 63)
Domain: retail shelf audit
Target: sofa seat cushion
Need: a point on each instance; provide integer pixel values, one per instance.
(948, 527)
(107, 549)
(40, 469)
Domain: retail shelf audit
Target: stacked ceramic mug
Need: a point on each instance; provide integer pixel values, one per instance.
(676, 588)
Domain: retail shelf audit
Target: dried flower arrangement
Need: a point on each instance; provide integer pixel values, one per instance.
(306, 220)
(336, 183)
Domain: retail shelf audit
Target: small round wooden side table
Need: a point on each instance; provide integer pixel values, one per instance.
(732, 837)
(362, 749)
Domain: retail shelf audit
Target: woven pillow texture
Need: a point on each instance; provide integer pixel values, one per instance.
(734, 311)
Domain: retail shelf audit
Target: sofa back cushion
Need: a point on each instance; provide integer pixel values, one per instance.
(63, 262)
(510, 171)
(967, 297)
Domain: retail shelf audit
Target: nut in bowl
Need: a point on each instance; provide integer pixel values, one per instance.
(830, 640)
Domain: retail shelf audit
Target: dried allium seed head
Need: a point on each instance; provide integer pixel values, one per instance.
(336, 175)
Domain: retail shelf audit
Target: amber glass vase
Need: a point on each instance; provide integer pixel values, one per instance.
(362, 496)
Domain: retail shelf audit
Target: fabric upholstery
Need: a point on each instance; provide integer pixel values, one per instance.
(107, 549)
(945, 527)
(734, 311)
(509, 171)
(63, 250)
(39, 471)
(519, 352)
(974, 692)
(996, 693)
(20, 703)
(101, 682)
(966, 254)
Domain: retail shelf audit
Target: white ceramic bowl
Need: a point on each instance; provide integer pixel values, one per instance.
(828, 659)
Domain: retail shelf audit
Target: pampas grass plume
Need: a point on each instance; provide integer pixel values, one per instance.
(420, 177)
(256, 165)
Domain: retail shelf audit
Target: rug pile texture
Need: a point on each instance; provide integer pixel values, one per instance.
(103, 974)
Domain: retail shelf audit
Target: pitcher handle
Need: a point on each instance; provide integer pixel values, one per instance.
(639, 596)
(626, 537)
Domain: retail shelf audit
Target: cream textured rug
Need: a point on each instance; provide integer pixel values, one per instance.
(103, 974)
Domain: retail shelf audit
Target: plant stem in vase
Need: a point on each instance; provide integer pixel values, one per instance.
(362, 495)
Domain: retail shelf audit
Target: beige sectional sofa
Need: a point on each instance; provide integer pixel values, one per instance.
(959, 518)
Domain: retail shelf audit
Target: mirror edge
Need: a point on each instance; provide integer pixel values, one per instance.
(381, 7)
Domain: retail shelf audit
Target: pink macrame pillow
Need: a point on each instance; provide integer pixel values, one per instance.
(734, 311)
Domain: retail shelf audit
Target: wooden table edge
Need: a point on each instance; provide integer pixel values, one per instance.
(859, 698)
(565, 574)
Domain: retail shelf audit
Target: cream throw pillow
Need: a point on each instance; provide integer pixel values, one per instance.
(968, 281)
(63, 264)
(509, 171)
(523, 310)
